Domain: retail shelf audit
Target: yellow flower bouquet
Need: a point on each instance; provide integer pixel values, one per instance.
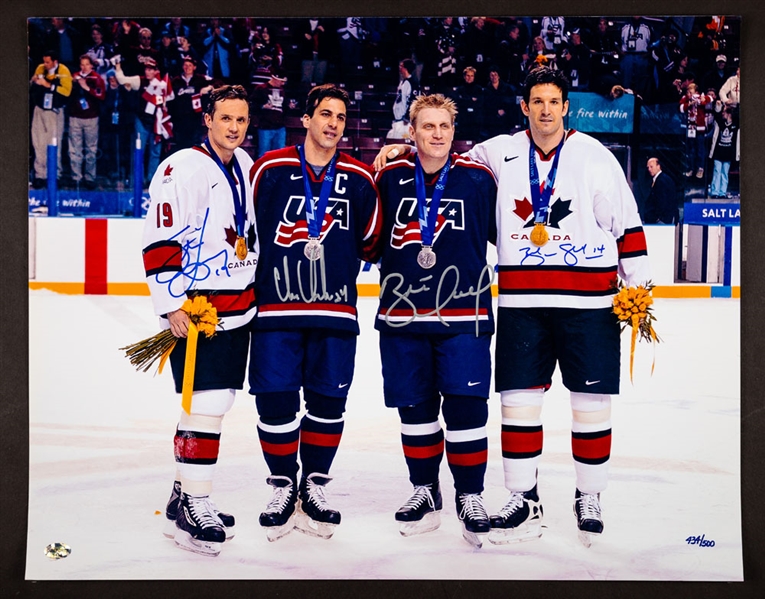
(158, 347)
(633, 307)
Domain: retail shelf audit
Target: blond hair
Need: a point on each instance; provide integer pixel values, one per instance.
(438, 101)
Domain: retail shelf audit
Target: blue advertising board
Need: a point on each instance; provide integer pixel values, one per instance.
(88, 203)
(712, 213)
(593, 113)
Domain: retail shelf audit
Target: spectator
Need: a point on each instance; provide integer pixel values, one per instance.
(176, 29)
(405, 93)
(152, 123)
(666, 55)
(635, 67)
(66, 41)
(470, 99)
(693, 106)
(313, 51)
(100, 52)
(661, 204)
(725, 149)
(88, 91)
(117, 124)
(136, 58)
(266, 58)
(269, 106)
(604, 60)
(498, 106)
(511, 55)
(217, 46)
(186, 107)
(125, 37)
(539, 56)
(553, 33)
(51, 87)
(446, 37)
(716, 78)
(168, 56)
(730, 92)
(477, 46)
(186, 51)
(351, 36)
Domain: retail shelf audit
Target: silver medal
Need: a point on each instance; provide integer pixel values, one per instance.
(312, 249)
(427, 257)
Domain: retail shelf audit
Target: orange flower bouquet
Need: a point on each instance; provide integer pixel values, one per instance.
(633, 307)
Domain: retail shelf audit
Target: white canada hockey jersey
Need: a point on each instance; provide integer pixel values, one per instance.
(593, 224)
(190, 235)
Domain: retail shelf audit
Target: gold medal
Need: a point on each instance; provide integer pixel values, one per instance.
(539, 235)
(241, 248)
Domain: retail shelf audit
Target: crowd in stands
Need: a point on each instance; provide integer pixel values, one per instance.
(99, 84)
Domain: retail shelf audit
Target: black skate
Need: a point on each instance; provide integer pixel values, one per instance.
(171, 511)
(519, 520)
(588, 519)
(279, 516)
(314, 516)
(472, 514)
(420, 513)
(198, 528)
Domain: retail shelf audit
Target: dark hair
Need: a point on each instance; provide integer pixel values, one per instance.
(541, 76)
(409, 65)
(52, 54)
(96, 27)
(225, 92)
(328, 90)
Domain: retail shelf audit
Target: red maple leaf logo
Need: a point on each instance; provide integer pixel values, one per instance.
(168, 170)
(523, 209)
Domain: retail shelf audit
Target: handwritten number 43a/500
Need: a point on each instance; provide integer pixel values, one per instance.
(164, 215)
(700, 541)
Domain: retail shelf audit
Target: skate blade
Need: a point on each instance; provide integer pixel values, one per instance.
(230, 532)
(505, 536)
(586, 538)
(312, 528)
(430, 522)
(185, 541)
(472, 538)
(274, 533)
(170, 530)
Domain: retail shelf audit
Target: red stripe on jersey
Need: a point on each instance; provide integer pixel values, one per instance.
(633, 241)
(565, 279)
(443, 312)
(279, 448)
(515, 441)
(314, 306)
(475, 458)
(591, 447)
(96, 254)
(422, 453)
(162, 257)
(320, 439)
(192, 448)
(233, 302)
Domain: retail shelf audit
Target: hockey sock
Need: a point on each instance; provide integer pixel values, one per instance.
(466, 442)
(522, 437)
(320, 431)
(279, 431)
(196, 445)
(423, 440)
(591, 440)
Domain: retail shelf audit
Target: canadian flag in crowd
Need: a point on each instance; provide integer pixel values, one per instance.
(196, 102)
(157, 94)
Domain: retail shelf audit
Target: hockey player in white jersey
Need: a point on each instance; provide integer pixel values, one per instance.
(568, 230)
(199, 239)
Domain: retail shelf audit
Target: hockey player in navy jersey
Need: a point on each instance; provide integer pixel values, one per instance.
(199, 239)
(318, 215)
(568, 230)
(435, 316)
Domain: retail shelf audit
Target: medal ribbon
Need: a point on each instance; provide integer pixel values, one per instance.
(428, 216)
(314, 216)
(239, 199)
(540, 199)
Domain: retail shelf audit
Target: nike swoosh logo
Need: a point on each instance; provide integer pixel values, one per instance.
(404, 181)
(471, 384)
(591, 382)
(509, 158)
(296, 177)
(343, 385)
(213, 185)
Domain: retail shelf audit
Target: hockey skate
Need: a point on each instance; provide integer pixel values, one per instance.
(519, 520)
(171, 511)
(420, 513)
(588, 519)
(314, 516)
(473, 516)
(198, 528)
(279, 516)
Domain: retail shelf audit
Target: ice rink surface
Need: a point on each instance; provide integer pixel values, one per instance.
(101, 465)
